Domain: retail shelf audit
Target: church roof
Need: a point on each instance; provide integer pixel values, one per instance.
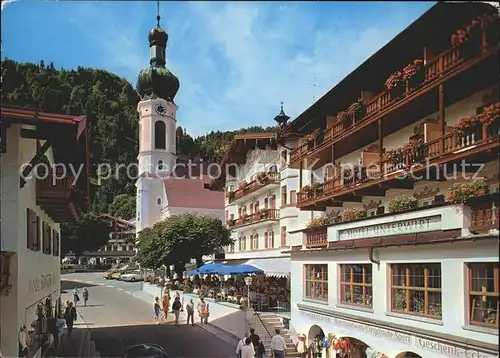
(191, 193)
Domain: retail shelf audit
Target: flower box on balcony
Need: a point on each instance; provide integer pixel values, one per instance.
(401, 203)
(350, 214)
(414, 74)
(356, 110)
(395, 84)
(461, 193)
(490, 114)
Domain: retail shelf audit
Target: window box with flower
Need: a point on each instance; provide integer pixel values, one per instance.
(468, 38)
(490, 114)
(414, 149)
(343, 117)
(353, 214)
(414, 74)
(394, 156)
(401, 203)
(317, 187)
(395, 84)
(468, 126)
(461, 193)
(319, 221)
(356, 110)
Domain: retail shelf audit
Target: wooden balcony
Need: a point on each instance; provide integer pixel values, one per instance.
(483, 220)
(256, 184)
(438, 70)
(258, 217)
(374, 179)
(59, 198)
(316, 237)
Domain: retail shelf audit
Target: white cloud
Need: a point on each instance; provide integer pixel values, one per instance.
(6, 2)
(237, 60)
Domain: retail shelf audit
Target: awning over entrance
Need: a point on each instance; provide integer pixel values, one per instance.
(277, 266)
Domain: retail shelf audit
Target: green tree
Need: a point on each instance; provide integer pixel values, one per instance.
(123, 206)
(180, 238)
(90, 232)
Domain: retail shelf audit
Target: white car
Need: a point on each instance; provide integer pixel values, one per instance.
(131, 276)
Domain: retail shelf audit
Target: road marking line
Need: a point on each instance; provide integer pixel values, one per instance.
(109, 286)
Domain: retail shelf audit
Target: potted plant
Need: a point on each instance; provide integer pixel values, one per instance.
(343, 117)
(353, 213)
(356, 110)
(461, 193)
(401, 203)
(414, 147)
(394, 156)
(263, 213)
(317, 187)
(318, 221)
(468, 38)
(394, 84)
(230, 195)
(468, 124)
(242, 185)
(490, 114)
(414, 73)
(230, 222)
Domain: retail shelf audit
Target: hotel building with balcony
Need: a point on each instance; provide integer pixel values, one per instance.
(403, 163)
(44, 182)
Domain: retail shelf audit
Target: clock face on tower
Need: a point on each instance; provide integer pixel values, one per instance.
(161, 110)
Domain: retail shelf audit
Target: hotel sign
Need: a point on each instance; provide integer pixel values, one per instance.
(402, 227)
(41, 283)
(408, 339)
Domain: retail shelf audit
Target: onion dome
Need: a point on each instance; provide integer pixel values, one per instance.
(156, 81)
(281, 118)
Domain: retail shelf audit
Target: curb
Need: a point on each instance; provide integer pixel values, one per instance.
(229, 337)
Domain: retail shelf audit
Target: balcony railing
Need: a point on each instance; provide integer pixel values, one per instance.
(483, 220)
(254, 185)
(59, 197)
(316, 237)
(382, 103)
(434, 152)
(260, 216)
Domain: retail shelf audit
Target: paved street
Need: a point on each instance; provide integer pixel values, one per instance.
(118, 319)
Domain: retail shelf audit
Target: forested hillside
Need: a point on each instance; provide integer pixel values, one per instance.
(109, 102)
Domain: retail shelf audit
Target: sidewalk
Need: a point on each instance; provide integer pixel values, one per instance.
(150, 299)
(79, 343)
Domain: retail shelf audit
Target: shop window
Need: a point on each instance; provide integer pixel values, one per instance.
(55, 243)
(316, 282)
(416, 289)
(356, 285)
(483, 294)
(293, 197)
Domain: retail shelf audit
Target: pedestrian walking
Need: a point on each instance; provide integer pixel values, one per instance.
(157, 309)
(257, 344)
(176, 308)
(301, 345)
(60, 323)
(76, 296)
(164, 306)
(190, 311)
(70, 317)
(248, 351)
(278, 346)
(241, 344)
(203, 310)
(85, 294)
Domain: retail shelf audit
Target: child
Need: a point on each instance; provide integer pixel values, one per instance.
(157, 310)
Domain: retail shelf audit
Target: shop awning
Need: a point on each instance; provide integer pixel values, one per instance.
(277, 266)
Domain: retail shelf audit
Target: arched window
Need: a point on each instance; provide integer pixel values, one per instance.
(160, 135)
(158, 201)
(160, 165)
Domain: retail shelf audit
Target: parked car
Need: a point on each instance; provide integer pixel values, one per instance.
(108, 274)
(131, 276)
(116, 275)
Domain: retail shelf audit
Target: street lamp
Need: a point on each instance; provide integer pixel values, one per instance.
(248, 282)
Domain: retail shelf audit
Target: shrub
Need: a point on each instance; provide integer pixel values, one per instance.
(353, 213)
(401, 203)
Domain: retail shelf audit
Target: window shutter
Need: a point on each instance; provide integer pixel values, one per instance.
(265, 239)
(37, 234)
(272, 239)
(29, 229)
(380, 210)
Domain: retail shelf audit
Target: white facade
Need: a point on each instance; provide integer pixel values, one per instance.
(377, 322)
(34, 275)
(280, 195)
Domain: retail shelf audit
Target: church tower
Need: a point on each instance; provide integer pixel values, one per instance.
(157, 87)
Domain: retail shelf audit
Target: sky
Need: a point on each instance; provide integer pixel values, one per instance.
(236, 61)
